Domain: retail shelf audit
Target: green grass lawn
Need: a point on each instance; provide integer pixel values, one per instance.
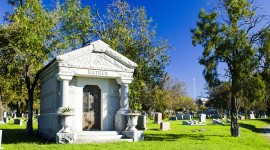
(216, 137)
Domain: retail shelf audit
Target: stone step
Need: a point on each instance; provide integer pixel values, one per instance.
(94, 133)
(99, 136)
(101, 140)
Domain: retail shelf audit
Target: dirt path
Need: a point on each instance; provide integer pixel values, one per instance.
(266, 131)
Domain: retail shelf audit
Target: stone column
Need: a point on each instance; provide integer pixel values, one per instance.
(64, 85)
(124, 97)
(120, 118)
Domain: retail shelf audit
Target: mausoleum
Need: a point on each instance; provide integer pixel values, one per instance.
(94, 81)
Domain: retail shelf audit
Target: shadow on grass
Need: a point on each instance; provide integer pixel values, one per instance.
(13, 136)
(175, 137)
(254, 129)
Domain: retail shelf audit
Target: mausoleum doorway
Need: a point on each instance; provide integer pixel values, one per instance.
(91, 107)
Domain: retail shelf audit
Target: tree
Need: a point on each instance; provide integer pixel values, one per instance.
(129, 31)
(232, 40)
(31, 37)
(26, 33)
(219, 96)
(74, 27)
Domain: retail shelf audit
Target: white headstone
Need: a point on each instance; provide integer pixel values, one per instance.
(202, 118)
(164, 126)
(5, 114)
(251, 116)
(217, 121)
(158, 118)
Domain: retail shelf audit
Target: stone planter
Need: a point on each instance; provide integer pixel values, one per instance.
(66, 122)
(132, 121)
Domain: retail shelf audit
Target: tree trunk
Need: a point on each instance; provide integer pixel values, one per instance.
(29, 126)
(235, 130)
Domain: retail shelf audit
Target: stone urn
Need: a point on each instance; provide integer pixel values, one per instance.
(132, 121)
(66, 122)
(67, 114)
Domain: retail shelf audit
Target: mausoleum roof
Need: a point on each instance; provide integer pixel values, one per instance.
(97, 53)
(98, 56)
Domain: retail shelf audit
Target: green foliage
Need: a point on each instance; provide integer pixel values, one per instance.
(231, 40)
(129, 31)
(74, 26)
(30, 37)
(220, 96)
(171, 96)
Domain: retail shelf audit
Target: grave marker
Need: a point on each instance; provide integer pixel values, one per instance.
(215, 116)
(179, 116)
(164, 126)
(202, 117)
(187, 117)
(158, 118)
(6, 119)
(141, 125)
(251, 116)
(18, 121)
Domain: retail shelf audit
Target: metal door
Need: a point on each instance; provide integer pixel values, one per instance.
(91, 108)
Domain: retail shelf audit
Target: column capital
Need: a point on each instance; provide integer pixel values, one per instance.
(124, 80)
(65, 76)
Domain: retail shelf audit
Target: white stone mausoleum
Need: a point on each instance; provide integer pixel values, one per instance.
(94, 81)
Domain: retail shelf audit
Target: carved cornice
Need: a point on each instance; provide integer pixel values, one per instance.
(124, 80)
(64, 76)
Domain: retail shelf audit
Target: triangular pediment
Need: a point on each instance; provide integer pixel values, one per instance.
(97, 56)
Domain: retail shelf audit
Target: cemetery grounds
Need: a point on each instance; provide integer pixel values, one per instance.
(209, 137)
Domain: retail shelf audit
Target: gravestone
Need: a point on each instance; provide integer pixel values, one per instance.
(263, 116)
(224, 117)
(1, 140)
(152, 115)
(141, 125)
(242, 117)
(6, 119)
(14, 115)
(228, 121)
(217, 121)
(215, 116)
(192, 123)
(18, 121)
(5, 114)
(179, 116)
(202, 117)
(251, 116)
(173, 118)
(164, 126)
(158, 118)
(187, 117)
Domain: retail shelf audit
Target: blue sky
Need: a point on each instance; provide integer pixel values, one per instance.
(174, 18)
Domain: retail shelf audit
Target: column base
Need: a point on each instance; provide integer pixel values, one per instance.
(121, 120)
(65, 138)
(134, 135)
